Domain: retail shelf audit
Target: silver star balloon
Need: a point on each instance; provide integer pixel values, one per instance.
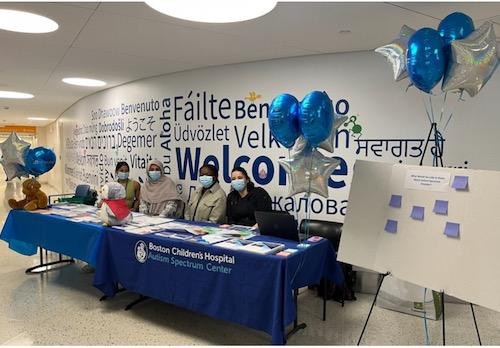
(14, 149)
(309, 171)
(13, 170)
(329, 143)
(473, 61)
(395, 52)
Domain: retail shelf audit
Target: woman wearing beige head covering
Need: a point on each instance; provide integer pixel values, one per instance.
(159, 194)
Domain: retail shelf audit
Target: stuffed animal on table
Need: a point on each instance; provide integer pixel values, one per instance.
(114, 210)
(35, 198)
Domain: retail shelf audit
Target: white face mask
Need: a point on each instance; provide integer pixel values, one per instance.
(122, 175)
(154, 175)
(239, 184)
(206, 180)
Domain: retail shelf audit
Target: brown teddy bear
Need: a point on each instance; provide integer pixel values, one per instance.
(35, 198)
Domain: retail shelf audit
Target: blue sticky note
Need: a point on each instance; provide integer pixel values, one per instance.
(417, 213)
(452, 229)
(441, 207)
(391, 226)
(460, 182)
(395, 201)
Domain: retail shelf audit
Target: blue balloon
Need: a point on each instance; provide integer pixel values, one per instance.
(39, 160)
(455, 26)
(425, 59)
(283, 119)
(316, 117)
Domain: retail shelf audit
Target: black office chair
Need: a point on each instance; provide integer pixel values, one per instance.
(326, 229)
(331, 231)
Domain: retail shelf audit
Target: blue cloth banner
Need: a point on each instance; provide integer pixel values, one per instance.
(25, 231)
(250, 289)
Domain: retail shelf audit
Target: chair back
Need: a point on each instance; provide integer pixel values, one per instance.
(326, 229)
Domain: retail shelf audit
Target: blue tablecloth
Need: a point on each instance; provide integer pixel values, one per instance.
(25, 231)
(242, 287)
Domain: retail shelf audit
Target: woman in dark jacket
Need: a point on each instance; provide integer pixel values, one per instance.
(245, 199)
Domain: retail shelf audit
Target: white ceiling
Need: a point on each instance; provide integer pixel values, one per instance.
(122, 42)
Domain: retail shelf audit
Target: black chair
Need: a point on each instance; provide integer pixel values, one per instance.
(326, 229)
(331, 231)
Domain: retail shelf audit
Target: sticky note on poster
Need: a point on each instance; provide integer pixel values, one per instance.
(427, 180)
(395, 201)
(452, 229)
(440, 207)
(391, 226)
(460, 182)
(417, 213)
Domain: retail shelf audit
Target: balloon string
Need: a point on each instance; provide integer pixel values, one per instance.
(453, 110)
(446, 125)
(295, 211)
(432, 109)
(438, 147)
(438, 138)
(442, 107)
(430, 117)
(307, 219)
(426, 111)
(309, 201)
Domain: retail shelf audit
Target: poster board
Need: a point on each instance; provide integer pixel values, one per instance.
(467, 266)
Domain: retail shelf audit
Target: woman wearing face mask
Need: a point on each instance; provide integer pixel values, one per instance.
(132, 187)
(208, 202)
(245, 199)
(159, 194)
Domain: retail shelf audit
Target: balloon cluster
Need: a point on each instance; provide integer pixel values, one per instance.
(19, 160)
(463, 57)
(308, 124)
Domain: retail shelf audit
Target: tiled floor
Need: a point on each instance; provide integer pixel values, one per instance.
(62, 308)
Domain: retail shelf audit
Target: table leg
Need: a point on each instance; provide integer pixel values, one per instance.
(47, 266)
(325, 288)
(296, 326)
(139, 300)
(104, 297)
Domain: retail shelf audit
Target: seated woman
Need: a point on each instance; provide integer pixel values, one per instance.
(132, 187)
(208, 202)
(159, 194)
(245, 199)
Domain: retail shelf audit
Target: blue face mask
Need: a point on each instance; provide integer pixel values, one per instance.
(154, 175)
(206, 180)
(122, 175)
(239, 184)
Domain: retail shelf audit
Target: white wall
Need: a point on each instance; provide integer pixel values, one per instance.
(382, 106)
(53, 141)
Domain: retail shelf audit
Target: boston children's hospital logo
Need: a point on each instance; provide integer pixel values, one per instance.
(141, 251)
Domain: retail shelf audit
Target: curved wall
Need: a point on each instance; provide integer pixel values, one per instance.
(187, 118)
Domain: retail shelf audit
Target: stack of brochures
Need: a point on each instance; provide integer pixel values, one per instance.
(265, 248)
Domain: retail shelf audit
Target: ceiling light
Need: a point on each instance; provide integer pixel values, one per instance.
(213, 11)
(26, 22)
(79, 81)
(38, 119)
(15, 95)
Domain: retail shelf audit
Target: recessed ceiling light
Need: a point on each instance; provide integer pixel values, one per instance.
(79, 81)
(26, 22)
(15, 95)
(38, 119)
(213, 11)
